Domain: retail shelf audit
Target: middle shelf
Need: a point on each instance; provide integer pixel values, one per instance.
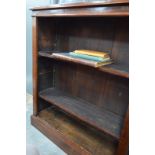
(101, 119)
(114, 69)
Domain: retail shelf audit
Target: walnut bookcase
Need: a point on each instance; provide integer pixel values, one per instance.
(84, 110)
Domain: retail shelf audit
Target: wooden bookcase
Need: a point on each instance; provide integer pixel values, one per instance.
(84, 110)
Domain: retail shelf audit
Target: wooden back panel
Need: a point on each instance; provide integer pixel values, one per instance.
(86, 34)
(47, 29)
(100, 33)
(120, 50)
(45, 73)
(103, 90)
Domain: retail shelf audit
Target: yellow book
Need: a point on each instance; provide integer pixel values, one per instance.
(93, 53)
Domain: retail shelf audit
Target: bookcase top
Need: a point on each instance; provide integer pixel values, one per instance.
(82, 4)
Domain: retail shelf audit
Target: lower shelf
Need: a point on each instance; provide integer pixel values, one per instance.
(100, 119)
(72, 137)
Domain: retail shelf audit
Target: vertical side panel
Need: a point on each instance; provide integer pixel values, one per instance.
(35, 64)
(124, 139)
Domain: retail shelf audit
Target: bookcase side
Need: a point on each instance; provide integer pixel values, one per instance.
(35, 64)
(124, 139)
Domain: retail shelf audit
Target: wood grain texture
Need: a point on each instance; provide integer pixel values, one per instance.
(124, 139)
(57, 137)
(45, 73)
(90, 103)
(108, 35)
(100, 89)
(35, 65)
(47, 34)
(69, 34)
(114, 69)
(114, 11)
(83, 4)
(71, 136)
(121, 43)
(103, 120)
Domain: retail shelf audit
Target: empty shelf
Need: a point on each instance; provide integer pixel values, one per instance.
(100, 119)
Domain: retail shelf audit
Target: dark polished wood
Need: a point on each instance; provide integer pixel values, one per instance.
(97, 88)
(100, 119)
(71, 136)
(83, 109)
(57, 137)
(83, 4)
(124, 139)
(114, 69)
(35, 65)
(85, 12)
(72, 33)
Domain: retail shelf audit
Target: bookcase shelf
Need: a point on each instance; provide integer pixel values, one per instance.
(100, 119)
(115, 69)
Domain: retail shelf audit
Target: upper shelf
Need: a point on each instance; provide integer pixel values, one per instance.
(115, 69)
(82, 4)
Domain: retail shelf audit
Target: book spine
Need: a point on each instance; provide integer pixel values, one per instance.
(88, 57)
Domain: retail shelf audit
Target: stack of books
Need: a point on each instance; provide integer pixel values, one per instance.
(88, 57)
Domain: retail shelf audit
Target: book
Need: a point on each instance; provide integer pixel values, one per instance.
(89, 57)
(68, 57)
(93, 53)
